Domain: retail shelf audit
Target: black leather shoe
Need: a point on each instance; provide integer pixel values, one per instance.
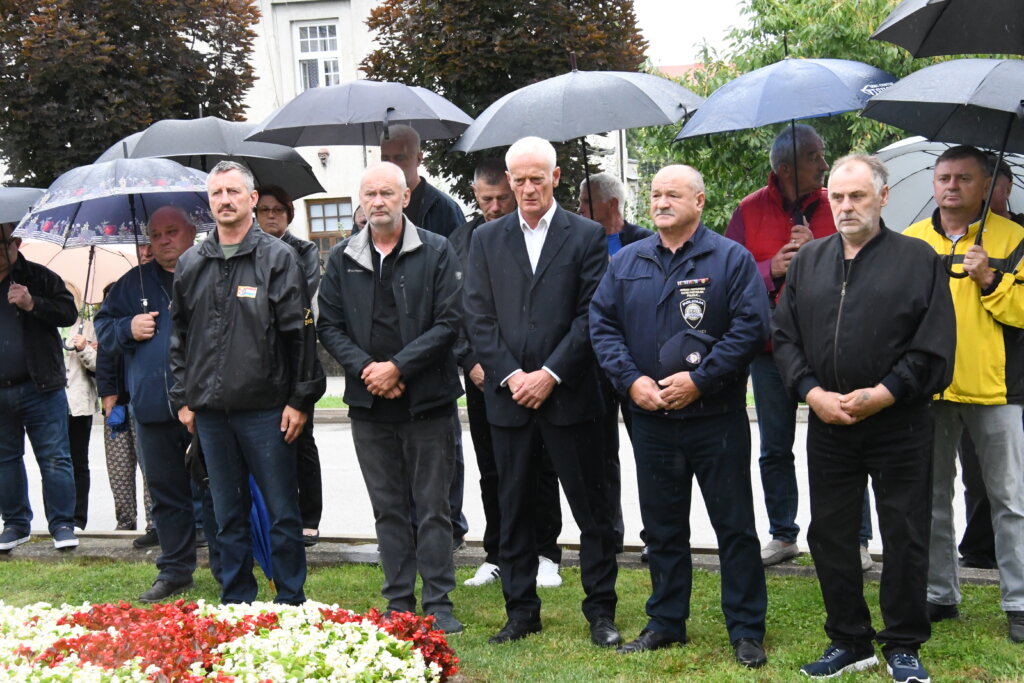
(603, 633)
(749, 653)
(146, 540)
(938, 612)
(514, 629)
(648, 640)
(1016, 620)
(164, 589)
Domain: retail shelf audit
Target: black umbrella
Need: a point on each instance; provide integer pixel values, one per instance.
(202, 143)
(358, 113)
(964, 101)
(929, 28)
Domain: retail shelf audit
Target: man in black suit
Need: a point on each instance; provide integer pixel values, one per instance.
(530, 279)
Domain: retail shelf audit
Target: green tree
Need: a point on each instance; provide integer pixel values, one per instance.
(736, 163)
(77, 75)
(475, 51)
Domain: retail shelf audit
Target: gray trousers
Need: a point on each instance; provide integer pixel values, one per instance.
(999, 439)
(397, 458)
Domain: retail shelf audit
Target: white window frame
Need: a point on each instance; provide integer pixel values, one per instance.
(328, 61)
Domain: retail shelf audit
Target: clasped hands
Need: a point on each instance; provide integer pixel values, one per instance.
(383, 379)
(674, 392)
(846, 409)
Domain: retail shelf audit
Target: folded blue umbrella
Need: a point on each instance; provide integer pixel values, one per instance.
(259, 521)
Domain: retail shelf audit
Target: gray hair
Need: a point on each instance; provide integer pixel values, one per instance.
(782, 148)
(396, 171)
(532, 145)
(228, 166)
(402, 132)
(606, 187)
(180, 212)
(879, 173)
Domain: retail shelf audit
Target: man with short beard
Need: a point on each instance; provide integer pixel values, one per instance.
(864, 332)
(243, 355)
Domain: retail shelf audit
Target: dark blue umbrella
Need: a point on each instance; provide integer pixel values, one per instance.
(789, 90)
(259, 522)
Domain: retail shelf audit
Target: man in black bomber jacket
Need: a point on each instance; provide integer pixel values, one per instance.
(865, 333)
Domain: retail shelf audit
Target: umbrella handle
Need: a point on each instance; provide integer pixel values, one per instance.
(81, 329)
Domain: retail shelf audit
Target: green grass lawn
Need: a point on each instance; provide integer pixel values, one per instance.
(329, 402)
(973, 648)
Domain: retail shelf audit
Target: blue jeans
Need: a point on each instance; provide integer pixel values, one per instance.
(236, 445)
(44, 417)
(776, 421)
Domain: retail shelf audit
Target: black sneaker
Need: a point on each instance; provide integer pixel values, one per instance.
(937, 612)
(64, 538)
(446, 621)
(147, 540)
(162, 589)
(11, 538)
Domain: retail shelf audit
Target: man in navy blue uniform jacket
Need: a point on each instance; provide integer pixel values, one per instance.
(675, 322)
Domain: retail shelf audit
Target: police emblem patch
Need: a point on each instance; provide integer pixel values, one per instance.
(692, 310)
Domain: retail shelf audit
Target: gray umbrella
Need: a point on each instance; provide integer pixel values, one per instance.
(357, 113)
(929, 28)
(579, 103)
(911, 166)
(202, 143)
(15, 202)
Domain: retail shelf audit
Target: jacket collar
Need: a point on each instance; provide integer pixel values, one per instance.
(775, 192)
(210, 247)
(358, 247)
(972, 229)
(700, 240)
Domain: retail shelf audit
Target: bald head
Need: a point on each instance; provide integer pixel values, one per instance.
(171, 233)
(402, 148)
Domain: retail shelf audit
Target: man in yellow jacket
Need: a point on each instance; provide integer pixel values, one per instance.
(988, 380)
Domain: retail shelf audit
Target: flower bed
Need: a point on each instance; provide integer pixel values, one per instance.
(194, 642)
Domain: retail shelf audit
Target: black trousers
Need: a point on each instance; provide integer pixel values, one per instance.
(714, 449)
(547, 515)
(79, 429)
(978, 544)
(577, 456)
(894, 447)
(311, 494)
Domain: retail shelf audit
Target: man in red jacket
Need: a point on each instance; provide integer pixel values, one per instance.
(773, 223)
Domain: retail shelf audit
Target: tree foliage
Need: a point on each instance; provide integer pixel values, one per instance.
(736, 163)
(78, 75)
(475, 51)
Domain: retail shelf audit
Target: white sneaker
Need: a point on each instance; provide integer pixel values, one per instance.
(485, 574)
(866, 563)
(547, 573)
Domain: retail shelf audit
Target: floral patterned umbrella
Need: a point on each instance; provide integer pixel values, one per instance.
(110, 202)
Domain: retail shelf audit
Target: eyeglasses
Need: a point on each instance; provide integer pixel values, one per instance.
(271, 210)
